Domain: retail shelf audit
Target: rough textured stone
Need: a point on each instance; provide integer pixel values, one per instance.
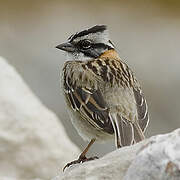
(157, 158)
(33, 143)
(112, 166)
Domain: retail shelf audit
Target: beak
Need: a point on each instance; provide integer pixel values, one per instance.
(66, 47)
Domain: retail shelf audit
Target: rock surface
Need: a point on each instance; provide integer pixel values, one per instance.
(157, 158)
(112, 166)
(33, 143)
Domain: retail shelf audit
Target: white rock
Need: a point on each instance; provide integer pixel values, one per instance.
(157, 158)
(112, 166)
(33, 143)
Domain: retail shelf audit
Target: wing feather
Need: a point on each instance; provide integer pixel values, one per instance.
(91, 106)
(142, 109)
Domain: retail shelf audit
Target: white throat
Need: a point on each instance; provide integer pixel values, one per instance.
(76, 56)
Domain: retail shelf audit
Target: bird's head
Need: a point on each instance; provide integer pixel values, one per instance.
(87, 44)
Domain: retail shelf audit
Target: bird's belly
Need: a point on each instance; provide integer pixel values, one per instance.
(86, 130)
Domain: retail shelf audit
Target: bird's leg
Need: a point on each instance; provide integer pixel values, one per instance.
(82, 158)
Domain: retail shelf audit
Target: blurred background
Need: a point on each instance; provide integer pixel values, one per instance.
(146, 34)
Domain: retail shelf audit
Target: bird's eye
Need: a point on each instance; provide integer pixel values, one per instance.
(85, 44)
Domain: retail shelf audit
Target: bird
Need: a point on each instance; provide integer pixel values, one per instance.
(104, 98)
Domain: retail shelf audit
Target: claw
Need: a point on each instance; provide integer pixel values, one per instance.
(81, 159)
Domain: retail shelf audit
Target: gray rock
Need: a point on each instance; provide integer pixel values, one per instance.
(157, 158)
(33, 143)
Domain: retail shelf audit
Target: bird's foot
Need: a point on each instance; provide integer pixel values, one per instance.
(81, 159)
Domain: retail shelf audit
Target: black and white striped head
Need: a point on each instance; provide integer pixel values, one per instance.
(87, 44)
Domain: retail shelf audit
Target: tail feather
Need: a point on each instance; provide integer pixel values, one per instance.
(138, 133)
(123, 129)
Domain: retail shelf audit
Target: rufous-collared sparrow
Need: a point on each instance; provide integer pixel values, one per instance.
(103, 97)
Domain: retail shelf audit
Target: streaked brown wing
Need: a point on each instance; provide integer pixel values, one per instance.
(91, 105)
